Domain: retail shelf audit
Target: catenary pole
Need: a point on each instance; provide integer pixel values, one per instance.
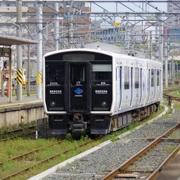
(166, 63)
(19, 52)
(56, 26)
(39, 51)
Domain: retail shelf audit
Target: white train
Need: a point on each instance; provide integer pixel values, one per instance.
(95, 91)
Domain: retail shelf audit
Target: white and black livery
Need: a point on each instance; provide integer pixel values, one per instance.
(95, 91)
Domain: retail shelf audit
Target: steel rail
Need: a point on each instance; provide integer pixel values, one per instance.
(16, 133)
(20, 135)
(163, 164)
(17, 130)
(141, 153)
(166, 93)
(30, 152)
(43, 161)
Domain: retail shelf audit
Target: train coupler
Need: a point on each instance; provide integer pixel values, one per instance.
(79, 126)
(78, 129)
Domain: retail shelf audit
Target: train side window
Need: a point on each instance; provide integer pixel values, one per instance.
(126, 77)
(136, 77)
(158, 77)
(152, 77)
(102, 74)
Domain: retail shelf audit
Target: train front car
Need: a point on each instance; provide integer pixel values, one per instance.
(78, 91)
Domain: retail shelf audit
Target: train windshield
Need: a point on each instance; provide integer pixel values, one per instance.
(55, 73)
(102, 74)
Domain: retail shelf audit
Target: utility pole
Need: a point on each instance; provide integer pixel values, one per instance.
(127, 33)
(19, 78)
(70, 29)
(56, 26)
(68, 9)
(160, 39)
(28, 70)
(161, 49)
(150, 44)
(166, 63)
(28, 73)
(172, 66)
(39, 51)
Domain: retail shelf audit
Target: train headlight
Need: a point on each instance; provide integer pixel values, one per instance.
(52, 103)
(104, 104)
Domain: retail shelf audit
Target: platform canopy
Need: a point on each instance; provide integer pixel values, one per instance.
(11, 40)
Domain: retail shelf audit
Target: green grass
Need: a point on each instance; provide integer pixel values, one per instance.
(175, 135)
(20, 146)
(175, 93)
(14, 127)
(170, 149)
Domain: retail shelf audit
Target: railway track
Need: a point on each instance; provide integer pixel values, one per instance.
(135, 166)
(20, 132)
(30, 153)
(168, 91)
(25, 156)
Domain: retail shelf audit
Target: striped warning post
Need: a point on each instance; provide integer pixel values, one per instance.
(39, 78)
(19, 78)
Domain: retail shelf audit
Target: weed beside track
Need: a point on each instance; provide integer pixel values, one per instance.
(25, 132)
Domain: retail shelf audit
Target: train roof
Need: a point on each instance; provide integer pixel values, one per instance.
(105, 47)
(105, 52)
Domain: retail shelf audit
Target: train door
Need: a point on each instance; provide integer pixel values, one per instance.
(155, 83)
(136, 87)
(132, 88)
(152, 85)
(158, 85)
(141, 85)
(120, 86)
(148, 85)
(78, 79)
(126, 87)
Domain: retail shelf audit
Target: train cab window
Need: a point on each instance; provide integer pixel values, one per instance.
(78, 74)
(158, 77)
(136, 78)
(55, 73)
(126, 77)
(102, 74)
(152, 77)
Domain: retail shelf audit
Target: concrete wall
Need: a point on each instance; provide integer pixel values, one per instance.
(21, 114)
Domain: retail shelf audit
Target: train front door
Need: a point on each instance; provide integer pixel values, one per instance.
(78, 87)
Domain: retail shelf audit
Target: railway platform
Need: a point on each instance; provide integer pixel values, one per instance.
(17, 112)
(25, 100)
(171, 171)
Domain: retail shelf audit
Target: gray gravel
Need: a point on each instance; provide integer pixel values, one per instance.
(153, 158)
(101, 162)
